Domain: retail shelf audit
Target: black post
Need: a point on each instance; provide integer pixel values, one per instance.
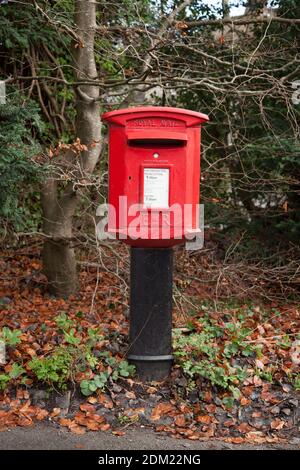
(150, 346)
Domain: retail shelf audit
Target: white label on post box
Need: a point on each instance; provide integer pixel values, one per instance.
(156, 187)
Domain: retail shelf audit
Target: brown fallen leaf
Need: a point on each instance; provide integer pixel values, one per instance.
(164, 428)
(105, 401)
(257, 436)
(210, 408)
(208, 431)
(194, 436)
(22, 394)
(76, 429)
(151, 390)
(92, 400)
(229, 423)
(180, 421)
(41, 414)
(244, 428)
(205, 419)
(65, 422)
(130, 382)
(208, 397)
(31, 352)
(93, 425)
(87, 407)
(55, 412)
(118, 433)
(95, 417)
(277, 424)
(105, 427)
(235, 440)
(24, 421)
(245, 401)
(160, 410)
(80, 418)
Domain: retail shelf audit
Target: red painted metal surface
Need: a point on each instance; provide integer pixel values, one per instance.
(154, 171)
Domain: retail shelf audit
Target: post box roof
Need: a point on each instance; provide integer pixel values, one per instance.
(121, 115)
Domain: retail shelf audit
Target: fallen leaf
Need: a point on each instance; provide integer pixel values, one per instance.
(244, 428)
(41, 414)
(130, 395)
(65, 422)
(180, 420)
(93, 425)
(235, 440)
(76, 429)
(55, 412)
(210, 408)
(208, 397)
(118, 433)
(205, 419)
(87, 407)
(160, 410)
(229, 423)
(245, 401)
(151, 390)
(277, 424)
(105, 401)
(104, 427)
(92, 400)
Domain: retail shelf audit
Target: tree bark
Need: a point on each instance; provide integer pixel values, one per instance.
(59, 204)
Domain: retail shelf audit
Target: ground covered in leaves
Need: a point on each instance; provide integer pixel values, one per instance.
(235, 376)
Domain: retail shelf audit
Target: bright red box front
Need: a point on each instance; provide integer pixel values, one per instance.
(154, 174)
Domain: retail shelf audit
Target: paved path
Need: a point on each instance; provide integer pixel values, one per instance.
(48, 437)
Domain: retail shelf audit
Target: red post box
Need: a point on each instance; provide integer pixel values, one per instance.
(154, 174)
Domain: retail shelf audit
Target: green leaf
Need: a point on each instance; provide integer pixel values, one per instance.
(10, 337)
(16, 371)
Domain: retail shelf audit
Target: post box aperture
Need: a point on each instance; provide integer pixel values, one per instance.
(154, 174)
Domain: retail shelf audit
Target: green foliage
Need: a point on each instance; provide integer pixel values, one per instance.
(124, 369)
(21, 27)
(88, 387)
(284, 342)
(64, 322)
(55, 369)
(119, 369)
(213, 353)
(77, 354)
(4, 381)
(10, 337)
(16, 371)
(228, 402)
(20, 125)
(71, 338)
(297, 382)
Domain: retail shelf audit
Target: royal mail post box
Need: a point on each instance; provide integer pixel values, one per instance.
(154, 174)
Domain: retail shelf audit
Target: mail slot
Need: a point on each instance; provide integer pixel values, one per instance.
(154, 174)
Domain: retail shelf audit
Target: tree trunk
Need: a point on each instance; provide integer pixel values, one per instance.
(59, 204)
